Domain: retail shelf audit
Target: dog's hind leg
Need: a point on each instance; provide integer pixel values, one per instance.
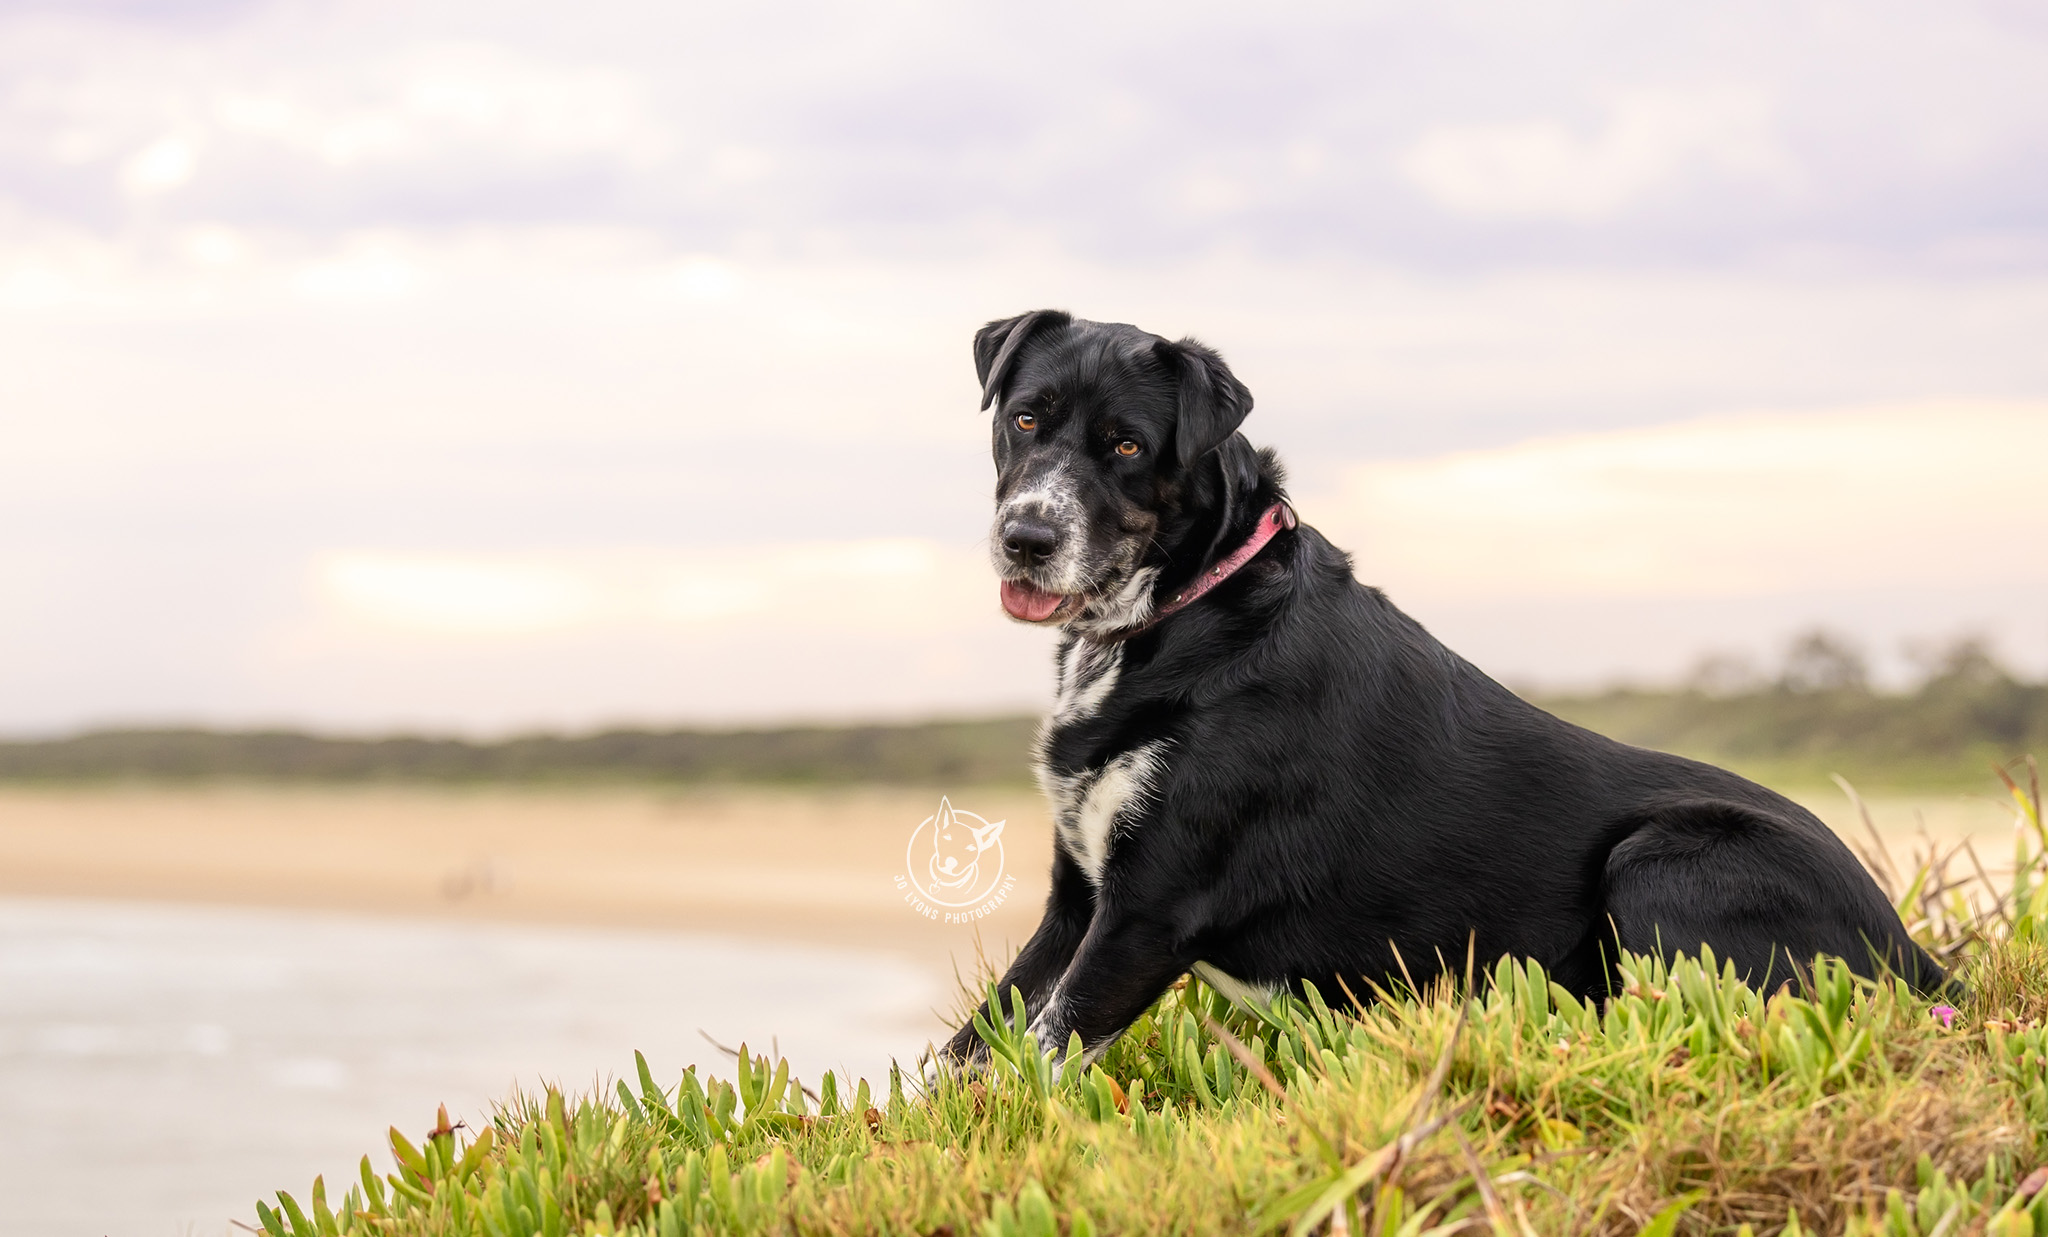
(1765, 891)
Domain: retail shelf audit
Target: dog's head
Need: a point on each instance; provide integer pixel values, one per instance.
(1118, 464)
(957, 845)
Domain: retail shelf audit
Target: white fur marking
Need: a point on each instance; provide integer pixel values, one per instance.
(1091, 808)
(1131, 606)
(1049, 1018)
(1046, 1016)
(1088, 673)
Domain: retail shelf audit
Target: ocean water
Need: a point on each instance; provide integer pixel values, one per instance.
(163, 1066)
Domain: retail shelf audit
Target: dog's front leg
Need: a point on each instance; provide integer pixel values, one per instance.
(1044, 958)
(1123, 964)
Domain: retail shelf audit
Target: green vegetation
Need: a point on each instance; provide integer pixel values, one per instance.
(947, 753)
(1820, 716)
(1817, 717)
(1688, 1104)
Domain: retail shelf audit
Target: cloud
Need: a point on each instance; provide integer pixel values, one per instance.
(1931, 496)
(899, 585)
(1404, 135)
(1652, 143)
(454, 595)
(367, 269)
(434, 101)
(159, 167)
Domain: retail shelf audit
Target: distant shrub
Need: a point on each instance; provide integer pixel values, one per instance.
(949, 753)
(1820, 716)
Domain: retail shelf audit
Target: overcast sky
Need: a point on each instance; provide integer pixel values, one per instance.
(480, 365)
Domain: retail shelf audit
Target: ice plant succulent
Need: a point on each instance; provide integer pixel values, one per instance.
(1686, 1103)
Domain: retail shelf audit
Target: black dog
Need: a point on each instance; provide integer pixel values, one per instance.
(1263, 772)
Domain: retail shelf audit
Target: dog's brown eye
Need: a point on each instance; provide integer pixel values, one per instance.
(1127, 447)
(1025, 421)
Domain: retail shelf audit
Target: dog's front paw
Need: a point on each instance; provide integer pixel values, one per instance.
(966, 1050)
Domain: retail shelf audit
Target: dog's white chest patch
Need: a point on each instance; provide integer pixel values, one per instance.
(1090, 806)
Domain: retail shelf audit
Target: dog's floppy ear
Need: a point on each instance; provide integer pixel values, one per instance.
(1213, 403)
(996, 346)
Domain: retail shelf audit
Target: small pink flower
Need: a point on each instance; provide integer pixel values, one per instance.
(1946, 1014)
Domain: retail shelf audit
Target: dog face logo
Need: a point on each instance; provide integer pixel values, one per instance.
(957, 844)
(955, 857)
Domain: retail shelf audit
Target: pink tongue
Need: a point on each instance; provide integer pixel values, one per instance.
(1033, 605)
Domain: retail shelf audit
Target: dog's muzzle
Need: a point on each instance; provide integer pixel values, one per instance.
(1037, 542)
(1037, 562)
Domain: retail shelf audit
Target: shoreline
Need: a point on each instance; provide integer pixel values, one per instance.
(798, 866)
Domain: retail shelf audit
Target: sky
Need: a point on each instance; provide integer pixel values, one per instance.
(478, 367)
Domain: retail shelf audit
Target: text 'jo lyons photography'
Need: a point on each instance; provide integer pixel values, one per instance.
(885, 618)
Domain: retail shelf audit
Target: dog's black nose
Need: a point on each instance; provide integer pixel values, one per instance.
(1029, 541)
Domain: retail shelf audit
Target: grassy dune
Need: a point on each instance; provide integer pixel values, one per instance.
(1494, 1102)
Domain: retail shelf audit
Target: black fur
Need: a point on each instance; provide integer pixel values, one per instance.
(1332, 785)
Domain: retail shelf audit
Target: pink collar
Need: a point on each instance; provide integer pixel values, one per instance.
(1276, 517)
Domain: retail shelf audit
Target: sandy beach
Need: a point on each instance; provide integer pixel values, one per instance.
(804, 866)
(817, 867)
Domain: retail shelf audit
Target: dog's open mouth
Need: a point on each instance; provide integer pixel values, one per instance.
(1025, 600)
